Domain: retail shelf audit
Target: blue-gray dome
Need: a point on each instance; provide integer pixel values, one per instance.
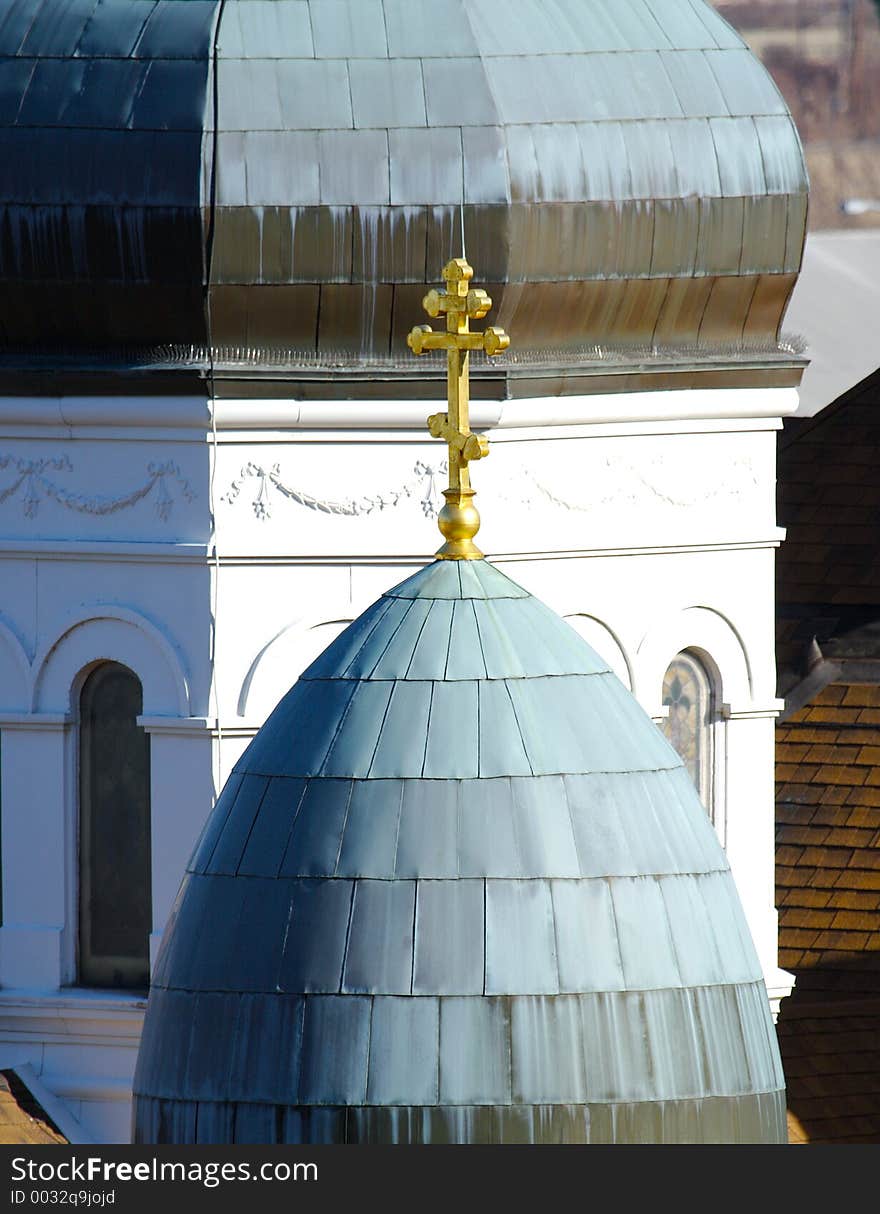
(458, 889)
(268, 185)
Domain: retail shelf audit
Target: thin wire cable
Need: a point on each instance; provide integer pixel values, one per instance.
(461, 208)
(214, 547)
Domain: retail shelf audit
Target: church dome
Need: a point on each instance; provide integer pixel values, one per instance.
(458, 889)
(263, 188)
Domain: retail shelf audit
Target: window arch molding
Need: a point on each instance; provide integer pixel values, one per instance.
(14, 672)
(711, 636)
(606, 642)
(290, 651)
(111, 634)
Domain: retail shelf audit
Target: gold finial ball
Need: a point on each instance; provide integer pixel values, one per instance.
(459, 522)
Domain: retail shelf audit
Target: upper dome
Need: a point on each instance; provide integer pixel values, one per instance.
(273, 183)
(459, 888)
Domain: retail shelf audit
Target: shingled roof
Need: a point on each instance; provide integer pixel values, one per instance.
(828, 841)
(828, 571)
(22, 1119)
(828, 771)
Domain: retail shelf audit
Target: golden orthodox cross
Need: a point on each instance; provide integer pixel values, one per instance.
(459, 521)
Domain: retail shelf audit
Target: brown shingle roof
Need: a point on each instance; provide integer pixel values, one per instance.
(831, 1056)
(828, 897)
(828, 839)
(22, 1119)
(828, 569)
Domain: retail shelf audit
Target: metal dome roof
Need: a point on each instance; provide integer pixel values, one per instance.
(459, 888)
(269, 184)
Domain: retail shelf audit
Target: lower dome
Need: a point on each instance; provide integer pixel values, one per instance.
(458, 889)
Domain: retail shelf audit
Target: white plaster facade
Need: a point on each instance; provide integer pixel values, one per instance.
(215, 556)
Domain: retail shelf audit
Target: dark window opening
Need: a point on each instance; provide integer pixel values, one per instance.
(115, 903)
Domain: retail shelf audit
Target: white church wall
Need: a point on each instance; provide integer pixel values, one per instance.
(648, 520)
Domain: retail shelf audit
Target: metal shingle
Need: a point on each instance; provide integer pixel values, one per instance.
(345, 30)
(746, 84)
(542, 825)
(267, 842)
(314, 943)
(547, 1046)
(433, 645)
(227, 853)
(335, 1050)
(369, 840)
(721, 32)
(387, 92)
(404, 1053)
(449, 936)
(474, 1051)
(352, 750)
(781, 154)
(447, 81)
(486, 174)
(486, 813)
(453, 732)
(265, 29)
(295, 739)
(615, 1043)
(316, 836)
(587, 951)
(354, 167)
(696, 86)
(426, 166)
(247, 97)
(213, 827)
(717, 1015)
(464, 658)
(407, 624)
(254, 956)
(176, 30)
(427, 841)
(272, 1072)
(56, 29)
(113, 29)
(280, 165)
(379, 952)
(647, 949)
(172, 96)
(336, 659)
(741, 171)
(414, 31)
(314, 95)
(501, 748)
(401, 746)
(520, 939)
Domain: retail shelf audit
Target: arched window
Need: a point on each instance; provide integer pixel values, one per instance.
(689, 696)
(115, 906)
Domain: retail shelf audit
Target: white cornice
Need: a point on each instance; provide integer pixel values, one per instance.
(73, 412)
(616, 409)
(143, 417)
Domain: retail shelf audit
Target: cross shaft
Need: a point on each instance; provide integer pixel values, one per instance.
(459, 520)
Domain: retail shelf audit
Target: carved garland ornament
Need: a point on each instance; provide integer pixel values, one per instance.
(29, 476)
(423, 487)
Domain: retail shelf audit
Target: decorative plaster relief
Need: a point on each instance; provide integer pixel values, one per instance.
(666, 482)
(29, 475)
(423, 486)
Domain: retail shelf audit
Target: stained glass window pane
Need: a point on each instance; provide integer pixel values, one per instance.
(114, 837)
(687, 694)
